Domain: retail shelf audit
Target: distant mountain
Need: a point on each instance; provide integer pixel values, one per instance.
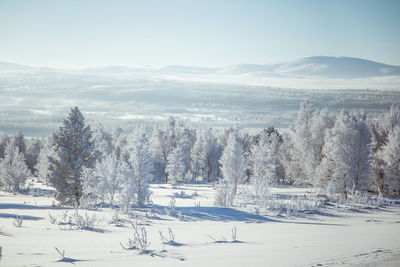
(329, 67)
(323, 67)
(9, 67)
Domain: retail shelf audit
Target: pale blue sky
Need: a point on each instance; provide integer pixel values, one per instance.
(203, 33)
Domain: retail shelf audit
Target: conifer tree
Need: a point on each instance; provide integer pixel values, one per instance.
(74, 151)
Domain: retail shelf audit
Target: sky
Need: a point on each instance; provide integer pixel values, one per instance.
(214, 33)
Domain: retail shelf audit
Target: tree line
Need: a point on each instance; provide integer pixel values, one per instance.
(340, 153)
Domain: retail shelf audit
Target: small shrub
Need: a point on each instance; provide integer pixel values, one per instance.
(224, 194)
(170, 240)
(62, 254)
(18, 221)
(116, 219)
(139, 240)
(52, 219)
(85, 222)
(234, 234)
(171, 209)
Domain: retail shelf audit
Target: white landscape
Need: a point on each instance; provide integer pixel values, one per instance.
(200, 133)
(334, 235)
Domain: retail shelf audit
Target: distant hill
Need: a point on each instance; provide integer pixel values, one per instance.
(329, 67)
(325, 67)
(5, 66)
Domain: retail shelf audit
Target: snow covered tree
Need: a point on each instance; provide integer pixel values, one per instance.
(18, 140)
(110, 175)
(75, 150)
(103, 140)
(43, 162)
(136, 187)
(264, 166)
(233, 163)
(391, 157)
(380, 129)
(177, 165)
(300, 137)
(159, 154)
(4, 140)
(13, 169)
(32, 154)
(205, 154)
(347, 153)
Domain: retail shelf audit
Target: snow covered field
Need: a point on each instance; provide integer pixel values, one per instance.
(332, 235)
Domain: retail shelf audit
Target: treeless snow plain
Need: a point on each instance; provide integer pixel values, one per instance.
(332, 235)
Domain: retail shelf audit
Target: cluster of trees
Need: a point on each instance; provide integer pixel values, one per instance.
(347, 152)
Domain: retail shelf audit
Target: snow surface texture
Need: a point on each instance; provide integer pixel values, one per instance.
(202, 234)
(34, 100)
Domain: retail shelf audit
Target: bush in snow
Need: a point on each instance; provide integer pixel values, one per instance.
(18, 221)
(168, 240)
(171, 208)
(224, 194)
(84, 222)
(139, 240)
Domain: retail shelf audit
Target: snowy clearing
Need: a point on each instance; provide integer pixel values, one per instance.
(335, 235)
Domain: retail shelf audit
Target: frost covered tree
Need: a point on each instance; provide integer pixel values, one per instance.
(264, 166)
(110, 175)
(300, 137)
(159, 154)
(307, 137)
(43, 161)
(104, 141)
(391, 157)
(75, 150)
(136, 186)
(347, 155)
(233, 163)
(4, 140)
(18, 140)
(274, 140)
(381, 128)
(205, 154)
(177, 165)
(13, 169)
(163, 142)
(32, 154)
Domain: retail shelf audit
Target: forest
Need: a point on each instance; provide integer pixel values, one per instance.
(342, 156)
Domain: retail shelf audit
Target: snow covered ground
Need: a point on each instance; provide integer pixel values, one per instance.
(335, 235)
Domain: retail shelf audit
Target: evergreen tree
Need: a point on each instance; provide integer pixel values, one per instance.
(75, 150)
